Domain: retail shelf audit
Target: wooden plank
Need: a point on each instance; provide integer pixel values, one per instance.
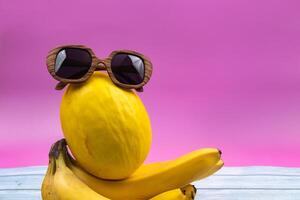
(234, 183)
(217, 182)
(23, 170)
(250, 182)
(29, 182)
(20, 195)
(259, 170)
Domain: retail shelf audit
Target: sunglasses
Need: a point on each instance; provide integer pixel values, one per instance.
(76, 63)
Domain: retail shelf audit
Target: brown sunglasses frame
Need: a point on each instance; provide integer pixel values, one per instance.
(97, 64)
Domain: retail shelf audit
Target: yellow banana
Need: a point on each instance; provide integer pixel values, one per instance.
(154, 179)
(188, 192)
(46, 189)
(47, 184)
(175, 194)
(68, 187)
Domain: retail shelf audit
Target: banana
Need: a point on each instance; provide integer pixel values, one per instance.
(67, 186)
(47, 192)
(153, 179)
(47, 184)
(187, 192)
(175, 194)
(60, 183)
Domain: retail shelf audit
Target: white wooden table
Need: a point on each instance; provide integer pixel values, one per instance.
(230, 183)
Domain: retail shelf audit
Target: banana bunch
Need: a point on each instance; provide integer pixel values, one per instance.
(170, 180)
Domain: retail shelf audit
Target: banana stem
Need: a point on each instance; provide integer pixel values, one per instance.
(56, 148)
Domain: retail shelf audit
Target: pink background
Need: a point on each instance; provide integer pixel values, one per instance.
(226, 74)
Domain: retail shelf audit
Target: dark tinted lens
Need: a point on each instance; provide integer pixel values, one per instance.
(72, 63)
(128, 69)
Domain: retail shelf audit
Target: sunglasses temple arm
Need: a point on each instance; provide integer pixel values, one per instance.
(141, 89)
(60, 85)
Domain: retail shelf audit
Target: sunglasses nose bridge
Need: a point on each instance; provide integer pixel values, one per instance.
(101, 65)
